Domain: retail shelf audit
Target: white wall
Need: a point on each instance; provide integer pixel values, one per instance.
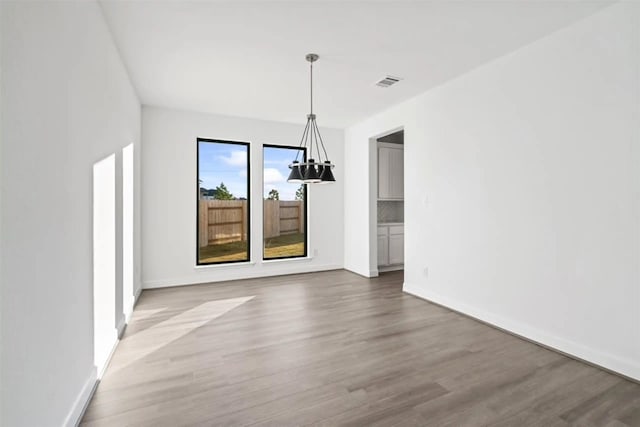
(66, 104)
(169, 197)
(523, 191)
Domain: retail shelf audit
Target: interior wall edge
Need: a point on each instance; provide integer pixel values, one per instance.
(82, 400)
(360, 272)
(122, 324)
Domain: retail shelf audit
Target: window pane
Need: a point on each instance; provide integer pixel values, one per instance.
(223, 202)
(285, 209)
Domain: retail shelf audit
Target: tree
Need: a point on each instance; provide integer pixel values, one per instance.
(202, 190)
(222, 193)
(273, 195)
(300, 192)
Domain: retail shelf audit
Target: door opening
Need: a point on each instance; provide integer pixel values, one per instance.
(389, 201)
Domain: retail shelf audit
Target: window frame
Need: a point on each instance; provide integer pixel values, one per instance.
(306, 205)
(222, 141)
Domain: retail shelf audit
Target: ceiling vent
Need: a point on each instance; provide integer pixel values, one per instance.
(388, 81)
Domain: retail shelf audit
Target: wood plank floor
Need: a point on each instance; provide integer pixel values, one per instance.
(334, 348)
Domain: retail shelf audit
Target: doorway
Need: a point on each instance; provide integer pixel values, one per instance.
(387, 197)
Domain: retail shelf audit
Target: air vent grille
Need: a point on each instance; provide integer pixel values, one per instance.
(388, 81)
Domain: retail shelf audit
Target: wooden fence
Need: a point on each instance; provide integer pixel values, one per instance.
(224, 221)
(283, 217)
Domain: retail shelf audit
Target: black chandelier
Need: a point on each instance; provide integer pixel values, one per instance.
(312, 171)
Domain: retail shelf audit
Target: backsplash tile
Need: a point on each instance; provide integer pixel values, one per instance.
(390, 211)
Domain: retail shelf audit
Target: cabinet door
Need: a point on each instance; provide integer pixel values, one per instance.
(396, 249)
(396, 173)
(383, 172)
(383, 250)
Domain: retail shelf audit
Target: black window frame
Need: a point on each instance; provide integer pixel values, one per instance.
(222, 141)
(306, 205)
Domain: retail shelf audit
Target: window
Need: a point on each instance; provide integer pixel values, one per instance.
(223, 202)
(285, 205)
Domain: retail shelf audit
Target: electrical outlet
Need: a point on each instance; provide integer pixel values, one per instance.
(426, 272)
(315, 252)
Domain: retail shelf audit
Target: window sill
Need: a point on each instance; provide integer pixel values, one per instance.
(278, 261)
(225, 265)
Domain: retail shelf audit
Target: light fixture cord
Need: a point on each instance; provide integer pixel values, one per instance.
(311, 138)
(317, 132)
(311, 84)
(311, 130)
(311, 106)
(303, 139)
(322, 144)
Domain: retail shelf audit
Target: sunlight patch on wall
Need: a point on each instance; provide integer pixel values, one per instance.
(104, 260)
(127, 230)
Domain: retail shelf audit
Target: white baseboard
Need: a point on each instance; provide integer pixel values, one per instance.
(623, 366)
(203, 277)
(86, 394)
(128, 312)
(363, 273)
(108, 361)
(82, 400)
(388, 268)
(122, 323)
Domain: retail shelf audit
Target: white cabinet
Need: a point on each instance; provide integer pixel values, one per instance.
(390, 171)
(390, 245)
(383, 250)
(396, 249)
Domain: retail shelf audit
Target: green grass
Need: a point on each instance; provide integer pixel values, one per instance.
(234, 251)
(284, 246)
(275, 247)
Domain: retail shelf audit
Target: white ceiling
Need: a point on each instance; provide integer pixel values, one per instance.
(247, 59)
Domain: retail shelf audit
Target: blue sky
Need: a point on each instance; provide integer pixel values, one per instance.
(227, 163)
(276, 171)
(224, 163)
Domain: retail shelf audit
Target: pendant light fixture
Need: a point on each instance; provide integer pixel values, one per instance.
(312, 171)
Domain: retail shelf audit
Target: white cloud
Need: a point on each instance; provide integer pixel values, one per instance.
(285, 192)
(272, 176)
(236, 158)
(282, 163)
